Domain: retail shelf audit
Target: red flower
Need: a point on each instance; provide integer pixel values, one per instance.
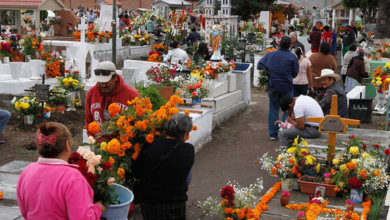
(106, 165)
(83, 169)
(228, 193)
(151, 52)
(91, 178)
(193, 94)
(387, 151)
(354, 183)
(377, 146)
(364, 145)
(81, 163)
(352, 137)
(74, 158)
(77, 72)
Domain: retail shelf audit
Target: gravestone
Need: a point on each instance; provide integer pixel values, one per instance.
(105, 18)
(130, 75)
(36, 66)
(16, 69)
(360, 109)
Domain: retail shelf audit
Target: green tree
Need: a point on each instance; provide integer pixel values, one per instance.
(368, 8)
(246, 8)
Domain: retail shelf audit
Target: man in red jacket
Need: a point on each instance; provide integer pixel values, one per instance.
(110, 88)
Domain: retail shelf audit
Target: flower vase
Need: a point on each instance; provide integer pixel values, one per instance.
(5, 60)
(295, 185)
(166, 92)
(107, 40)
(327, 180)
(380, 101)
(349, 207)
(71, 103)
(301, 217)
(28, 119)
(196, 103)
(356, 195)
(284, 200)
(287, 184)
(121, 210)
(60, 108)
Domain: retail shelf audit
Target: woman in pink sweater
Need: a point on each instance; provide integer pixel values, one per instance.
(52, 189)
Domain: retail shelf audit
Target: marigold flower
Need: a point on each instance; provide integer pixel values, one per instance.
(363, 174)
(111, 160)
(351, 165)
(194, 128)
(149, 138)
(103, 146)
(114, 109)
(187, 112)
(94, 127)
(228, 211)
(121, 172)
(273, 171)
(114, 146)
(336, 161)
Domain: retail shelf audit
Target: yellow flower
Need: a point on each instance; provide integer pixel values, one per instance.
(292, 150)
(103, 146)
(318, 168)
(355, 161)
(364, 155)
(279, 157)
(304, 143)
(309, 160)
(341, 184)
(295, 141)
(26, 98)
(343, 167)
(336, 161)
(354, 150)
(301, 152)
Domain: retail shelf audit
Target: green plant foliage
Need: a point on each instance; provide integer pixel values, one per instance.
(229, 45)
(368, 7)
(151, 93)
(246, 8)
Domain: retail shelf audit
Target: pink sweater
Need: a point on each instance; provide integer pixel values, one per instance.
(51, 189)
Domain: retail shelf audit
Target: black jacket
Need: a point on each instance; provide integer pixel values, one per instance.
(193, 37)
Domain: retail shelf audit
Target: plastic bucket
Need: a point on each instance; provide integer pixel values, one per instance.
(120, 211)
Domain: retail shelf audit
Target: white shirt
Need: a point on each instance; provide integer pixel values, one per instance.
(177, 54)
(306, 106)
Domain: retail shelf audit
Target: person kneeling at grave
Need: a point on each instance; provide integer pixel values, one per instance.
(302, 107)
(177, 55)
(52, 188)
(328, 82)
(110, 88)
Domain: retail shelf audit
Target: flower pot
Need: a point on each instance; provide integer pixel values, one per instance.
(166, 92)
(71, 104)
(28, 119)
(301, 218)
(356, 195)
(327, 180)
(295, 185)
(310, 187)
(57, 29)
(60, 108)
(349, 207)
(196, 103)
(5, 59)
(287, 184)
(284, 200)
(120, 211)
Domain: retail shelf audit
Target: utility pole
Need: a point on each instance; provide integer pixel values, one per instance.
(114, 31)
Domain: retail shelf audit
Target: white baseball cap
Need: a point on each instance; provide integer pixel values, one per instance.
(104, 71)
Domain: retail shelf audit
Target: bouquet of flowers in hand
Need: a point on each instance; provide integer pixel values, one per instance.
(235, 203)
(71, 81)
(162, 74)
(97, 174)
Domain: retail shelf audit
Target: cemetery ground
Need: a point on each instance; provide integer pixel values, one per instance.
(231, 155)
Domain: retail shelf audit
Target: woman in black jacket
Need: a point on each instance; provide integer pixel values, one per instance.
(202, 52)
(162, 169)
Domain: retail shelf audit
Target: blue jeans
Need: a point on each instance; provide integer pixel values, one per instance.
(4, 117)
(273, 113)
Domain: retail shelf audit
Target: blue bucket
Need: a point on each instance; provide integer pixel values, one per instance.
(120, 211)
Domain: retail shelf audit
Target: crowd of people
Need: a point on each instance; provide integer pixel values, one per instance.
(302, 84)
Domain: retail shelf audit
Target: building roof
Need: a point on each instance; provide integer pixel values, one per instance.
(173, 2)
(32, 4)
(106, 2)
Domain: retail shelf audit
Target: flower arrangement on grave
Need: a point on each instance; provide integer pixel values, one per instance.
(31, 44)
(162, 74)
(130, 129)
(25, 105)
(5, 49)
(302, 7)
(381, 78)
(155, 56)
(45, 26)
(109, 34)
(315, 7)
(57, 95)
(101, 36)
(195, 87)
(126, 40)
(77, 35)
(56, 20)
(211, 70)
(385, 50)
(160, 48)
(98, 174)
(71, 80)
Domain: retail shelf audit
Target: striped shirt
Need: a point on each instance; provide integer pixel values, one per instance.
(301, 79)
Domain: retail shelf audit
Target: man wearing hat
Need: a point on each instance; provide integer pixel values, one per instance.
(328, 82)
(283, 67)
(302, 106)
(110, 88)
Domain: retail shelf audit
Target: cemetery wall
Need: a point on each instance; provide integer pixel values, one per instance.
(126, 5)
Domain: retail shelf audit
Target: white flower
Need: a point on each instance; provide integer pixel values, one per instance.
(99, 169)
(14, 99)
(89, 155)
(91, 140)
(96, 160)
(91, 169)
(110, 181)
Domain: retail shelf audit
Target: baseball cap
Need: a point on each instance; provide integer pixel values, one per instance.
(104, 71)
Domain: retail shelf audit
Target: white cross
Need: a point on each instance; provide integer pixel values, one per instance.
(82, 27)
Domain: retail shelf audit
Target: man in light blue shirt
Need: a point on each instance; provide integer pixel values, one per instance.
(91, 16)
(151, 25)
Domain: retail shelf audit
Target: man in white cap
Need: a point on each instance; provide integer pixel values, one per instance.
(328, 82)
(110, 88)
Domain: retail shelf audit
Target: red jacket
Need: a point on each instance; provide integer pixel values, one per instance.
(96, 101)
(327, 37)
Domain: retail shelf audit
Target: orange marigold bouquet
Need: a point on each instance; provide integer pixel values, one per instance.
(381, 78)
(128, 130)
(160, 47)
(236, 201)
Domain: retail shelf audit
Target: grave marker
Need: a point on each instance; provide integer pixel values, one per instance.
(332, 124)
(82, 27)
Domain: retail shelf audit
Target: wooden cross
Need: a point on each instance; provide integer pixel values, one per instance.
(82, 27)
(332, 124)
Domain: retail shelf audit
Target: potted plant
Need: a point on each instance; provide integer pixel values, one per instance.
(327, 178)
(162, 77)
(301, 215)
(5, 51)
(57, 96)
(45, 27)
(56, 21)
(196, 88)
(349, 205)
(27, 107)
(72, 83)
(356, 192)
(284, 198)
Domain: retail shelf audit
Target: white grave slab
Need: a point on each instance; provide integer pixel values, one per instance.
(264, 18)
(219, 88)
(131, 75)
(355, 93)
(232, 82)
